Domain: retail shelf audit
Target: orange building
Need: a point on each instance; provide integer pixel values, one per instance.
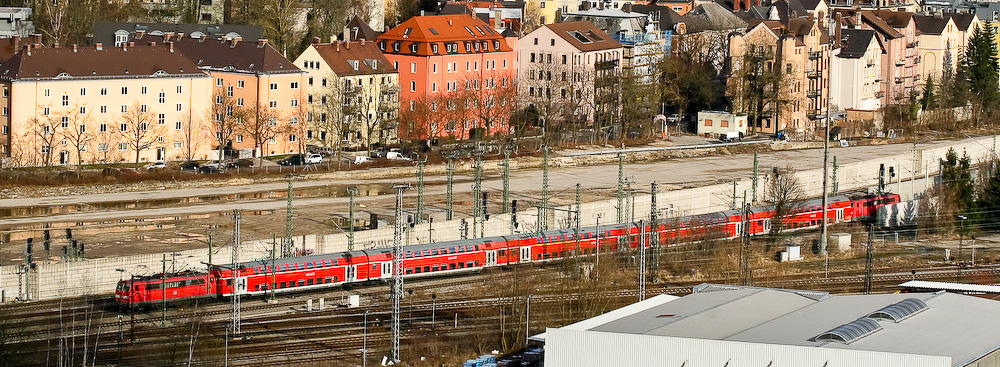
(456, 76)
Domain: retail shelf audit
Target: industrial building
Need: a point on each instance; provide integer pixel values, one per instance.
(721, 325)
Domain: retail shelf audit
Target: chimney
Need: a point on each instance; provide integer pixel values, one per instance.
(347, 45)
(99, 46)
(74, 47)
(338, 45)
(627, 7)
(362, 42)
(837, 26)
(27, 50)
(347, 35)
(55, 45)
(152, 43)
(36, 38)
(170, 45)
(168, 36)
(333, 39)
(261, 42)
(180, 35)
(140, 33)
(315, 40)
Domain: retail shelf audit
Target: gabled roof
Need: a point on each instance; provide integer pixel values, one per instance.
(714, 17)
(584, 36)
(94, 63)
(12, 45)
(810, 4)
(962, 20)
(879, 25)
(360, 30)
(896, 19)
(854, 42)
(667, 16)
(790, 8)
(930, 24)
(104, 32)
(430, 30)
(343, 57)
(255, 57)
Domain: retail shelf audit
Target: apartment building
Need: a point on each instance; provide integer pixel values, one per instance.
(353, 94)
(74, 105)
(857, 69)
(942, 39)
(801, 49)
(644, 45)
(260, 83)
(567, 72)
(456, 74)
(897, 32)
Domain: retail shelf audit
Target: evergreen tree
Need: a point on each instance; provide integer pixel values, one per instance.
(979, 66)
(988, 201)
(956, 176)
(929, 100)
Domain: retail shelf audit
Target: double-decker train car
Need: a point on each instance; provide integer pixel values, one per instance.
(442, 258)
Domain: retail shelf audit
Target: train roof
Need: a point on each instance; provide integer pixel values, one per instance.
(159, 276)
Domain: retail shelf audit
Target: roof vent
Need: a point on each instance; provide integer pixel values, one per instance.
(852, 331)
(99, 46)
(900, 311)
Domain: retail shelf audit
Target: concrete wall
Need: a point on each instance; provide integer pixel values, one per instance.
(98, 276)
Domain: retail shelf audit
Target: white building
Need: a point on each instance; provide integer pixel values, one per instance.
(721, 325)
(856, 72)
(718, 123)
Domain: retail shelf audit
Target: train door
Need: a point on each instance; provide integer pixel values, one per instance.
(386, 269)
(525, 253)
(765, 225)
(240, 285)
(491, 258)
(840, 215)
(352, 273)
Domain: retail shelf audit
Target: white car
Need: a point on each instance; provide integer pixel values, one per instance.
(156, 165)
(396, 156)
(314, 158)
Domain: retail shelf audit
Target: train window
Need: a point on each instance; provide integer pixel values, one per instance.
(427, 269)
(477, 247)
(417, 270)
(451, 250)
(502, 252)
(152, 286)
(434, 268)
(302, 282)
(461, 265)
(451, 266)
(427, 253)
(409, 271)
(310, 282)
(319, 280)
(409, 254)
(284, 285)
(374, 267)
(136, 287)
(309, 265)
(434, 252)
(256, 288)
(283, 268)
(539, 257)
(336, 278)
(328, 263)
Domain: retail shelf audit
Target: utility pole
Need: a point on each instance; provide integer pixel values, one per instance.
(826, 147)
(836, 182)
(237, 306)
(163, 287)
(274, 281)
(745, 272)
(654, 226)
(351, 191)
(449, 212)
(621, 183)
(506, 181)
(754, 186)
(286, 246)
(544, 212)
(477, 189)
(576, 222)
(868, 262)
(397, 273)
(732, 206)
(642, 260)
(420, 191)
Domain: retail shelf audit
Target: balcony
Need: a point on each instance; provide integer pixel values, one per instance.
(813, 74)
(900, 62)
(879, 94)
(899, 80)
(813, 114)
(813, 94)
(913, 44)
(815, 55)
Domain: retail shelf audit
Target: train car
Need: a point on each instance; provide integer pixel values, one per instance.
(184, 286)
(810, 213)
(866, 208)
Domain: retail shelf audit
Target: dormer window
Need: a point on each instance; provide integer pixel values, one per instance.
(395, 46)
(434, 48)
(413, 48)
(496, 45)
(468, 47)
(354, 64)
(160, 73)
(381, 45)
(62, 75)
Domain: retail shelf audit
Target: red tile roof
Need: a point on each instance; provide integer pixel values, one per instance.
(445, 34)
(91, 62)
(576, 32)
(341, 57)
(251, 56)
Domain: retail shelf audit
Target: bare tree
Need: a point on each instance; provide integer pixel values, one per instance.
(138, 128)
(261, 124)
(279, 18)
(106, 141)
(434, 115)
(784, 192)
(758, 88)
(193, 134)
(42, 134)
(297, 122)
(225, 119)
(330, 118)
(372, 104)
(492, 96)
(78, 132)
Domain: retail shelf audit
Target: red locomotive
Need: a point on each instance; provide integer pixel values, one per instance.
(431, 259)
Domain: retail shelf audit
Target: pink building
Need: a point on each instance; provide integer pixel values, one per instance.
(456, 76)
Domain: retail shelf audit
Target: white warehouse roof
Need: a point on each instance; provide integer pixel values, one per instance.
(759, 326)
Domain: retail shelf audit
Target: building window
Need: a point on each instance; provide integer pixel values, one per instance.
(310, 81)
(83, 91)
(724, 123)
(161, 119)
(104, 109)
(145, 90)
(179, 107)
(239, 84)
(295, 102)
(218, 82)
(83, 109)
(536, 41)
(239, 101)
(413, 86)
(293, 138)
(274, 86)
(48, 92)
(178, 125)
(434, 87)
(143, 108)
(273, 104)
(65, 100)
(323, 82)
(178, 144)
(163, 97)
(413, 68)
(180, 89)
(124, 91)
(104, 91)
(295, 85)
(123, 146)
(434, 68)
(708, 122)
(239, 138)
(102, 128)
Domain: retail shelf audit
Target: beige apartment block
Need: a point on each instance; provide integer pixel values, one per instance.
(264, 87)
(941, 40)
(800, 48)
(75, 105)
(353, 93)
(564, 71)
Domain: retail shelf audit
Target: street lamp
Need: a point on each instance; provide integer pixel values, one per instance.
(364, 345)
(961, 233)
(433, 307)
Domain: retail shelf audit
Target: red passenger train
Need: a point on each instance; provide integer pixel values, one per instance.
(432, 259)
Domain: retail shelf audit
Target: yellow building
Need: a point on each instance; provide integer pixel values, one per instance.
(75, 105)
(353, 93)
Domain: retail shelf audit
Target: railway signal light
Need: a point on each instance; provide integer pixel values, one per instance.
(45, 235)
(69, 233)
(30, 240)
(48, 245)
(892, 171)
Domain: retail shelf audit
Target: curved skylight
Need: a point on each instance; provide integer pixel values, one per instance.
(900, 311)
(852, 331)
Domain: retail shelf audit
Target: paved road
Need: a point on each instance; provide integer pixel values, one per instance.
(598, 179)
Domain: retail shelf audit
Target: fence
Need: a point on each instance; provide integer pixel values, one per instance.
(99, 276)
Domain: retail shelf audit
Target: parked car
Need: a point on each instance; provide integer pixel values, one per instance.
(293, 160)
(357, 159)
(156, 165)
(213, 167)
(731, 136)
(396, 156)
(189, 166)
(673, 118)
(314, 158)
(241, 163)
(323, 150)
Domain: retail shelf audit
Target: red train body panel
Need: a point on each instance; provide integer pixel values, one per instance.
(329, 270)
